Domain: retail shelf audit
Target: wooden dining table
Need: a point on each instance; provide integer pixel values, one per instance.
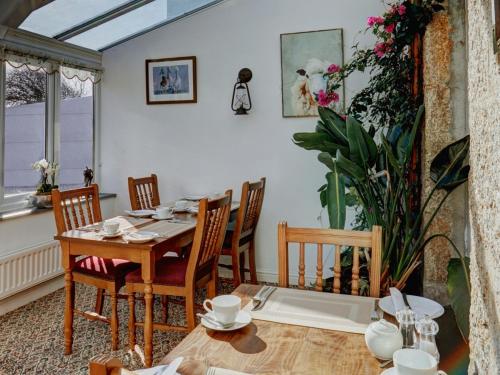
(265, 347)
(173, 234)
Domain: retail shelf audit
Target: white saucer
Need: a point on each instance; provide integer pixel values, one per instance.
(140, 237)
(195, 197)
(242, 320)
(140, 213)
(390, 371)
(421, 306)
(108, 235)
(163, 218)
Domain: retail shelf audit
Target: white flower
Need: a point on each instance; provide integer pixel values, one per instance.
(43, 164)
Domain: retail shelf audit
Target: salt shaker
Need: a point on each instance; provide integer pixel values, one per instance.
(406, 320)
(427, 330)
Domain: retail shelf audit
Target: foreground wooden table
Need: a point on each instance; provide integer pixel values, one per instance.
(272, 348)
(83, 242)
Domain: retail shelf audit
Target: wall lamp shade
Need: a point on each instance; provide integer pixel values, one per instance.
(242, 102)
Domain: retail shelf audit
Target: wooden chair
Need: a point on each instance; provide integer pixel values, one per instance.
(72, 210)
(338, 238)
(180, 276)
(143, 192)
(242, 236)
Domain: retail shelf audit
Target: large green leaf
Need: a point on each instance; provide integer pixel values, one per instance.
(362, 148)
(334, 125)
(335, 197)
(318, 141)
(448, 169)
(326, 159)
(459, 293)
(350, 169)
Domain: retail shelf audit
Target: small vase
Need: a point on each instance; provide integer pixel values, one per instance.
(41, 200)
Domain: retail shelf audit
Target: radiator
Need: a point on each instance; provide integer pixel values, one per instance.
(29, 267)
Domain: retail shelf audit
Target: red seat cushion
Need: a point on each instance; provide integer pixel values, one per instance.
(109, 269)
(169, 271)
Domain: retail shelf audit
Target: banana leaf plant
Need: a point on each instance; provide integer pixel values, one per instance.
(373, 166)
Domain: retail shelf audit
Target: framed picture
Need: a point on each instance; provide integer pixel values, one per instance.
(171, 80)
(305, 57)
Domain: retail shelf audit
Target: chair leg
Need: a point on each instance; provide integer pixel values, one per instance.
(235, 261)
(251, 260)
(190, 310)
(99, 301)
(114, 320)
(242, 266)
(131, 321)
(164, 308)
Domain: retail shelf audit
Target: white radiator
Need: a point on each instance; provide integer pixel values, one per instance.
(29, 267)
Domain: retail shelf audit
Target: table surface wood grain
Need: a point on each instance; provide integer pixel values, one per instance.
(265, 347)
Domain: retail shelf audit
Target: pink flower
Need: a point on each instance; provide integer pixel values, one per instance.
(372, 21)
(401, 10)
(380, 49)
(324, 99)
(390, 28)
(333, 68)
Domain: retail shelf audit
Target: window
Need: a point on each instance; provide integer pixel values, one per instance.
(76, 116)
(25, 127)
(43, 116)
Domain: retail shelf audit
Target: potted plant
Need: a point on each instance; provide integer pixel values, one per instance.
(43, 195)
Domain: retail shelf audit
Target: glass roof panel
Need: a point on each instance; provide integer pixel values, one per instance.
(136, 22)
(61, 15)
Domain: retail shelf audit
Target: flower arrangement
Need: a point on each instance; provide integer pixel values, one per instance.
(48, 171)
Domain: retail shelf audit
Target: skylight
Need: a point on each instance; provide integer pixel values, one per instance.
(99, 24)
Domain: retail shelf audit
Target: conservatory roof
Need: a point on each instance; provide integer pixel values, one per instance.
(102, 24)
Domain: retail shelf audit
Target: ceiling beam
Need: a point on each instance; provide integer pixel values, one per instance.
(14, 12)
(103, 18)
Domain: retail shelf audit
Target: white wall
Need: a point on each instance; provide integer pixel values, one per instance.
(204, 147)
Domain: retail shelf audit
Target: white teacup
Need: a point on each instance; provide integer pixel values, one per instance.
(415, 362)
(163, 212)
(181, 205)
(225, 308)
(110, 227)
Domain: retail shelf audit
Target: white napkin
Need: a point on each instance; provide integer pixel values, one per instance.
(223, 371)
(397, 299)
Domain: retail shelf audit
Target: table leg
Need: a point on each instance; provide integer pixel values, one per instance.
(69, 285)
(148, 271)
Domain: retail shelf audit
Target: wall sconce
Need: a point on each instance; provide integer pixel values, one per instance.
(241, 102)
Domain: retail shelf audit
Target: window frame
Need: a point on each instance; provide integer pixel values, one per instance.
(52, 132)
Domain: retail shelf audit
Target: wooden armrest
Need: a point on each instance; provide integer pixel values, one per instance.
(105, 365)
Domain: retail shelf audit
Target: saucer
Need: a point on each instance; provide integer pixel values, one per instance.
(140, 213)
(390, 371)
(242, 320)
(110, 235)
(163, 218)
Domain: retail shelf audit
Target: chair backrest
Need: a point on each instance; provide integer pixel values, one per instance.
(143, 192)
(211, 226)
(252, 196)
(76, 208)
(357, 239)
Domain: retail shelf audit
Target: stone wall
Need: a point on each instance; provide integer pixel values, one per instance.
(484, 187)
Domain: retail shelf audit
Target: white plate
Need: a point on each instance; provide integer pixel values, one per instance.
(195, 197)
(390, 371)
(242, 320)
(140, 213)
(193, 209)
(420, 305)
(140, 237)
(163, 218)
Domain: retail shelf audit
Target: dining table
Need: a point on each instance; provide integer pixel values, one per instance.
(265, 347)
(89, 241)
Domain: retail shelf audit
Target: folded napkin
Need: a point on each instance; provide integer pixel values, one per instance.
(397, 299)
(223, 371)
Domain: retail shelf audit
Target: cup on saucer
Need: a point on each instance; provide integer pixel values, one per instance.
(110, 227)
(181, 205)
(415, 362)
(163, 212)
(225, 308)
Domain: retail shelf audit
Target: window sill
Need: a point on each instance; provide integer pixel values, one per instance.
(25, 211)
